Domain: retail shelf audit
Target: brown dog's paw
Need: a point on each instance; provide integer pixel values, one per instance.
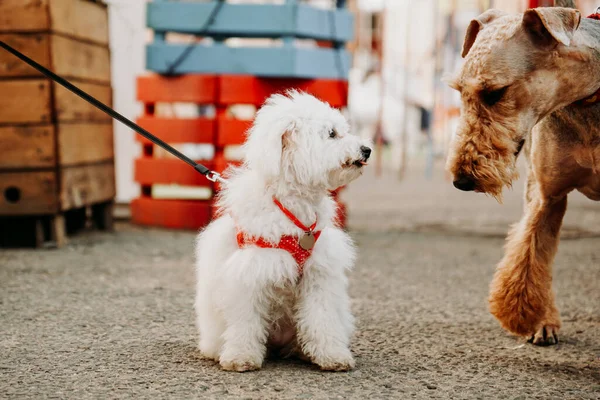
(547, 335)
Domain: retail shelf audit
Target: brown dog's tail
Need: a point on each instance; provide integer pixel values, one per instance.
(565, 3)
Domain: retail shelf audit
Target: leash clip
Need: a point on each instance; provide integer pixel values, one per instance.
(214, 177)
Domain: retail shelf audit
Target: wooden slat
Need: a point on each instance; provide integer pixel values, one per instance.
(35, 46)
(27, 147)
(80, 19)
(235, 89)
(25, 101)
(37, 193)
(65, 56)
(149, 171)
(252, 20)
(86, 185)
(74, 59)
(80, 143)
(24, 15)
(70, 107)
(315, 23)
(199, 89)
(221, 164)
(232, 132)
(174, 130)
(283, 62)
(177, 214)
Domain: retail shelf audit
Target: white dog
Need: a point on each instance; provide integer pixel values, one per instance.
(260, 282)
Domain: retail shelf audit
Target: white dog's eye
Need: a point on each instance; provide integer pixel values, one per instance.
(332, 134)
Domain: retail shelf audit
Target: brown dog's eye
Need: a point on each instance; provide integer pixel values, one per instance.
(332, 134)
(491, 97)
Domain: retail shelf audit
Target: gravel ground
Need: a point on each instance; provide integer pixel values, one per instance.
(110, 315)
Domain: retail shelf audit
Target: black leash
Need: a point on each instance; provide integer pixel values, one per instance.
(210, 175)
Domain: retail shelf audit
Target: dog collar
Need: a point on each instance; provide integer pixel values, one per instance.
(594, 98)
(299, 248)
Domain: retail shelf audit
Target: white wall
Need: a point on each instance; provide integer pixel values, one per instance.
(128, 34)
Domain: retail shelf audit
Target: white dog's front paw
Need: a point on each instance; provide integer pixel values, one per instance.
(240, 364)
(342, 361)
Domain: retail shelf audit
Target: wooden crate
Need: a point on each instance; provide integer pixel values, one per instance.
(56, 150)
(284, 22)
(222, 92)
(222, 74)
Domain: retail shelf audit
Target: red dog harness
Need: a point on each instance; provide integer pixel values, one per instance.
(299, 248)
(594, 98)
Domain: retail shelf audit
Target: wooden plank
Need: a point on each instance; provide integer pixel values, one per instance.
(233, 89)
(199, 89)
(70, 107)
(314, 23)
(81, 19)
(284, 62)
(86, 185)
(322, 63)
(25, 101)
(28, 193)
(236, 89)
(74, 59)
(35, 46)
(65, 56)
(149, 171)
(58, 231)
(177, 214)
(24, 15)
(221, 164)
(81, 143)
(27, 147)
(232, 131)
(252, 20)
(175, 130)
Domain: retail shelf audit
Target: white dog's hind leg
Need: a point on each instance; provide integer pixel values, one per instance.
(325, 322)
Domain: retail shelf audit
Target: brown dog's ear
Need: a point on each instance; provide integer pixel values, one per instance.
(476, 25)
(549, 26)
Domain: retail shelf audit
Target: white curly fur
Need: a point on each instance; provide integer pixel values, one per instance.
(252, 299)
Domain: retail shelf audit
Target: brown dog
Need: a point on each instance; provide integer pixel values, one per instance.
(523, 86)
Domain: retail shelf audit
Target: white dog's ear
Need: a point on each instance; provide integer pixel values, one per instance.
(264, 147)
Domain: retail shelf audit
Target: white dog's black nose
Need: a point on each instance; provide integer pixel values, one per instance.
(365, 151)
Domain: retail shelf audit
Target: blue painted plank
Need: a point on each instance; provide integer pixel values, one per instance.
(336, 24)
(284, 62)
(252, 20)
(312, 62)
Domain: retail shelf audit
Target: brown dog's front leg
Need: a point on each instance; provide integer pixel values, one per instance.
(521, 295)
